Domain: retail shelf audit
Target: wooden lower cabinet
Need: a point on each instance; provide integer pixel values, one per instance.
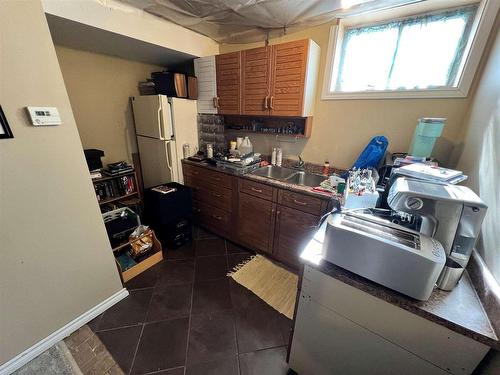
(212, 218)
(256, 215)
(293, 230)
(255, 224)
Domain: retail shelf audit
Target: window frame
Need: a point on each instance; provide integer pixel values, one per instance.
(481, 28)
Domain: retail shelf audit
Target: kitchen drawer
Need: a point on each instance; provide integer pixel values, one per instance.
(256, 189)
(205, 175)
(211, 194)
(213, 218)
(302, 202)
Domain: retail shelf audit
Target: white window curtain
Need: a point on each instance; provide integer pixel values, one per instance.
(420, 52)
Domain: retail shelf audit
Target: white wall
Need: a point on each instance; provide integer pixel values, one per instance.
(56, 262)
(481, 156)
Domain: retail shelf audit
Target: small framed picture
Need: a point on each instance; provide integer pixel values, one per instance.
(5, 131)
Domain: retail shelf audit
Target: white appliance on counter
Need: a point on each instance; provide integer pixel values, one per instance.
(163, 125)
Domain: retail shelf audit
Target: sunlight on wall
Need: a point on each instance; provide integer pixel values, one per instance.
(489, 191)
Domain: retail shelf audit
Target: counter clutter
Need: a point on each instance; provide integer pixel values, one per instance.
(385, 330)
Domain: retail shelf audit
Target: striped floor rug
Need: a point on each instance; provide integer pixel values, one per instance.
(274, 284)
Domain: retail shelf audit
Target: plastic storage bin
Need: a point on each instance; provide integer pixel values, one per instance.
(424, 138)
(119, 224)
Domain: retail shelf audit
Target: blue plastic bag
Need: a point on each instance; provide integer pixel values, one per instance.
(372, 154)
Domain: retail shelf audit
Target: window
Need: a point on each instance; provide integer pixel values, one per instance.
(423, 55)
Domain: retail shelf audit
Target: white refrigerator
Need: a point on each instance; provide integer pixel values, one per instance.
(163, 125)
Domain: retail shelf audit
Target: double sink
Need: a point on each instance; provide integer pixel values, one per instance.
(289, 175)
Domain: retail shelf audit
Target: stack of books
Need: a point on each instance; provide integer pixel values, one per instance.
(116, 169)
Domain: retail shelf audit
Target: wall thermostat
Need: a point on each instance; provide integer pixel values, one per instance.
(44, 116)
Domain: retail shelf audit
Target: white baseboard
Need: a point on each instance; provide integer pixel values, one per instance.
(44, 344)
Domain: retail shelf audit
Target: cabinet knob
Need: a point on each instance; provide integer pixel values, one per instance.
(216, 195)
(217, 217)
(271, 102)
(266, 106)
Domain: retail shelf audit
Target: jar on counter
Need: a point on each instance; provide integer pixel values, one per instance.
(210, 150)
(186, 151)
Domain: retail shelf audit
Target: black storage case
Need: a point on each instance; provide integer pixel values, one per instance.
(170, 215)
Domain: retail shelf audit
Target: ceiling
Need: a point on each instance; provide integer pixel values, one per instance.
(244, 21)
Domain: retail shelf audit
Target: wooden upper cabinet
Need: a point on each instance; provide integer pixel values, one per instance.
(294, 75)
(256, 80)
(277, 80)
(228, 67)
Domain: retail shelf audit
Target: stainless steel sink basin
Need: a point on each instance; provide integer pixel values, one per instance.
(275, 172)
(289, 175)
(306, 179)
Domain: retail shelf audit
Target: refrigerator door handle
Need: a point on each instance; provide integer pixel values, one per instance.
(161, 130)
(169, 154)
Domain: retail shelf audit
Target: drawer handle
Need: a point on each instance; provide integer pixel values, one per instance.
(197, 210)
(217, 217)
(216, 195)
(256, 190)
(196, 172)
(217, 178)
(299, 202)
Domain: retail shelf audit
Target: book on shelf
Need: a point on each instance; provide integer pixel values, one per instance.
(95, 174)
(115, 188)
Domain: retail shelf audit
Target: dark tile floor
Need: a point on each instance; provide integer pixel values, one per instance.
(185, 316)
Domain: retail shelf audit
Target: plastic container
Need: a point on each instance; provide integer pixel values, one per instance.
(425, 135)
(119, 224)
(246, 146)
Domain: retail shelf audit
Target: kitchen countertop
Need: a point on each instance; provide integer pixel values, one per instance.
(269, 181)
(459, 310)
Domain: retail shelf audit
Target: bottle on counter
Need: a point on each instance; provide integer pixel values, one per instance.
(210, 151)
(273, 156)
(326, 168)
(279, 156)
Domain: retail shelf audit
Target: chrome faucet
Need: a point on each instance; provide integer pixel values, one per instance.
(300, 164)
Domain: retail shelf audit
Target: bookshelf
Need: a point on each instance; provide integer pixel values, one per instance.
(117, 189)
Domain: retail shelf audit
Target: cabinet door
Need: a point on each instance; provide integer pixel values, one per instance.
(294, 229)
(256, 222)
(204, 69)
(288, 78)
(228, 83)
(256, 80)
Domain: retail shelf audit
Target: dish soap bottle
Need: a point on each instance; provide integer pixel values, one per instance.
(279, 156)
(326, 168)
